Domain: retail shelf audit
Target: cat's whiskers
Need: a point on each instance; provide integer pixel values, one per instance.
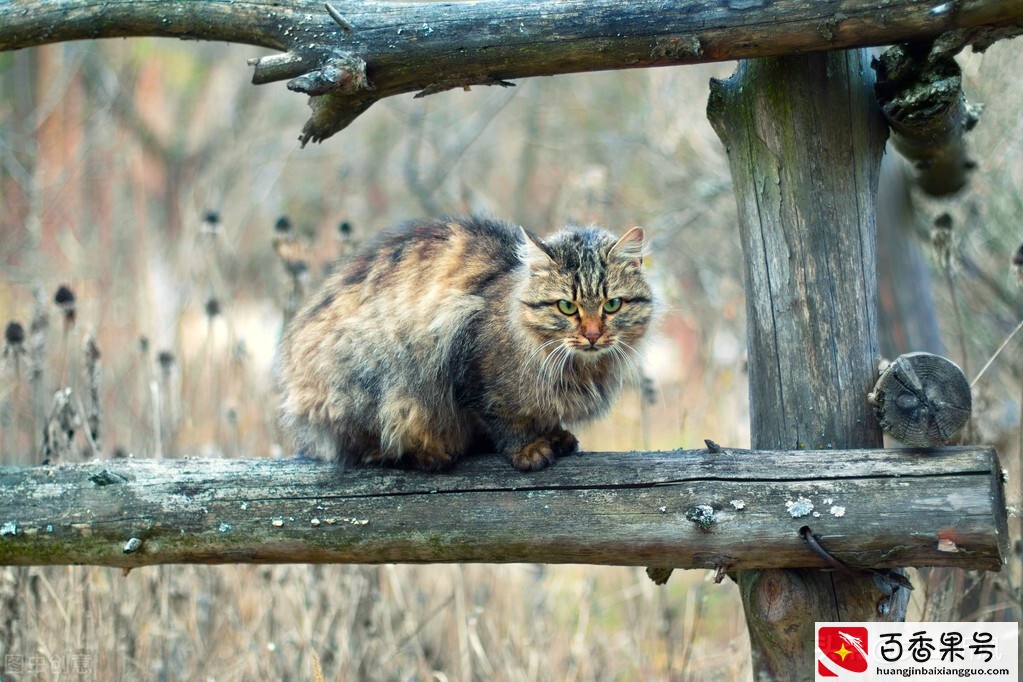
(548, 359)
(567, 359)
(551, 380)
(527, 369)
(640, 374)
(556, 380)
(536, 350)
(536, 371)
(618, 349)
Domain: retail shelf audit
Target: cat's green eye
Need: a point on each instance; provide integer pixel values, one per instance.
(567, 307)
(612, 305)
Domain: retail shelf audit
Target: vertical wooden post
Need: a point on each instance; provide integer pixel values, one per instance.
(804, 140)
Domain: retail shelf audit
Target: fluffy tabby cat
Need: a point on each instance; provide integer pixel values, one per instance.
(467, 334)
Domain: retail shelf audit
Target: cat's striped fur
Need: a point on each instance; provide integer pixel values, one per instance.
(464, 334)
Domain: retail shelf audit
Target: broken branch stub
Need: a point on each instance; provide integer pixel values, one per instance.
(920, 93)
(339, 91)
(342, 72)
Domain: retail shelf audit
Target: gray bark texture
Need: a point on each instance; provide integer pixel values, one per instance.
(347, 55)
(730, 510)
(922, 98)
(804, 139)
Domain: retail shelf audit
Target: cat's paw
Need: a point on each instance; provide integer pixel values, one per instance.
(533, 456)
(563, 443)
(433, 461)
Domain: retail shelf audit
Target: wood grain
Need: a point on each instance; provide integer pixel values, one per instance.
(804, 139)
(431, 47)
(874, 508)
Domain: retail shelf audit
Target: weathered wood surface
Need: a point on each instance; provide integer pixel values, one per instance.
(387, 48)
(875, 508)
(922, 98)
(804, 139)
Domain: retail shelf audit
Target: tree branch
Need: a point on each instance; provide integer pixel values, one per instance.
(430, 47)
(729, 509)
(921, 95)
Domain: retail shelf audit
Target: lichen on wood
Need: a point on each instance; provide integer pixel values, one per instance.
(599, 508)
(804, 139)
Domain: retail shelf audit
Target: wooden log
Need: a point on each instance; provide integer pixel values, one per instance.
(804, 140)
(922, 400)
(870, 508)
(351, 54)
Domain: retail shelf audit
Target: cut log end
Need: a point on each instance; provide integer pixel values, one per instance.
(922, 400)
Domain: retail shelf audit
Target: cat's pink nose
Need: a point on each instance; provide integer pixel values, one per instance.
(592, 334)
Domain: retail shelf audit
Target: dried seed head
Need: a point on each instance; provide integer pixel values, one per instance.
(941, 237)
(648, 388)
(292, 254)
(1017, 264)
(283, 225)
(92, 354)
(64, 296)
(212, 307)
(14, 335)
(65, 300)
(296, 268)
(166, 360)
(210, 224)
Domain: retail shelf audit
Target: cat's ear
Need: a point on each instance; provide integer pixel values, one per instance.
(534, 252)
(629, 249)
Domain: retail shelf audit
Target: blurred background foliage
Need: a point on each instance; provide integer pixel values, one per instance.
(148, 177)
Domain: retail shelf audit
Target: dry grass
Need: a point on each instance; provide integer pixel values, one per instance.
(107, 172)
(458, 622)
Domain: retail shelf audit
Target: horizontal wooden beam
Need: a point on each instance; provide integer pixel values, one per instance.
(348, 55)
(731, 509)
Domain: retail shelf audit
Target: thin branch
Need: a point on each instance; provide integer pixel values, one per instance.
(995, 355)
(338, 19)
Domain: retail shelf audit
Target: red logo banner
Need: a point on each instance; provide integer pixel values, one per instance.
(841, 649)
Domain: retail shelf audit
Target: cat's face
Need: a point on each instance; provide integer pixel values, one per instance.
(586, 295)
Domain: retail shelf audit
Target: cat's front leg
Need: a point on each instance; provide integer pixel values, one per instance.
(533, 456)
(532, 449)
(563, 442)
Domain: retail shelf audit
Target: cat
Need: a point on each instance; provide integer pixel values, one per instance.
(460, 335)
